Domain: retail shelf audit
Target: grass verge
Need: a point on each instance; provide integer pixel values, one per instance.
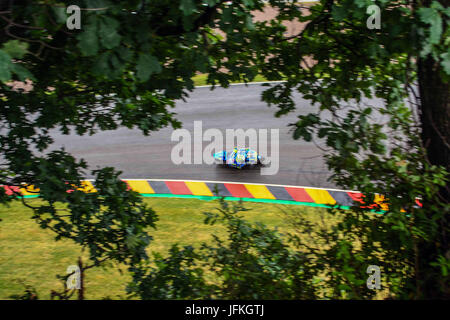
(201, 79)
(30, 255)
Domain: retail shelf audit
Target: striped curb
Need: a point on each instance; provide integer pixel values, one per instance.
(209, 190)
(250, 192)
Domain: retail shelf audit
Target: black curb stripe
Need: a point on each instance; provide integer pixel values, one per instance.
(223, 191)
(280, 193)
(342, 198)
(159, 187)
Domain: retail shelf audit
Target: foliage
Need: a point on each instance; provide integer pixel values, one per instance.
(29, 294)
(253, 262)
(382, 147)
(124, 67)
(131, 59)
(30, 254)
(358, 240)
(320, 259)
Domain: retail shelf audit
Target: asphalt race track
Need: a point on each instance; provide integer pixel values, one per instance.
(240, 106)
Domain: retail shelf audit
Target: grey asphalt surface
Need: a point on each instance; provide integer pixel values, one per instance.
(240, 106)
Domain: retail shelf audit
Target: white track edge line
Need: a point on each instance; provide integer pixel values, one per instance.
(239, 84)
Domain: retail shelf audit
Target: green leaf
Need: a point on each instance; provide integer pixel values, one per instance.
(60, 14)
(187, 6)
(21, 72)
(109, 37)
(362, 3)
(446, 62)
(88, 41)
(426, 15)
(431, 17)
(210, 2)
(249, 22)
(5, 66)
(146, 66)
(101, 65)
(15, 48)
(339, 13)
(117, 66)
(124, 53)
(436, 30)
(227, 16)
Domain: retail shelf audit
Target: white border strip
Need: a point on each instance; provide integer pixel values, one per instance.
(239, 84)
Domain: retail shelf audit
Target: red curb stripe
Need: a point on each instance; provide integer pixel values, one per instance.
(356, 196)
(10, 190)
(178, 187)
(419, 203)
(238, 190)
(128, 186)
(299, 194)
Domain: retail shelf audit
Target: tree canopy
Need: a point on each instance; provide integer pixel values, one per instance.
(130, 60)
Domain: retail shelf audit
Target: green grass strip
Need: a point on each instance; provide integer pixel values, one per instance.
(209, 198)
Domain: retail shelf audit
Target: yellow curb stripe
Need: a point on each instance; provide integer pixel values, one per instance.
(380, 200)
(140, 186)
(199, 188)
(29, 190)
(87, 187)
(320, 196)
(259, 191)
